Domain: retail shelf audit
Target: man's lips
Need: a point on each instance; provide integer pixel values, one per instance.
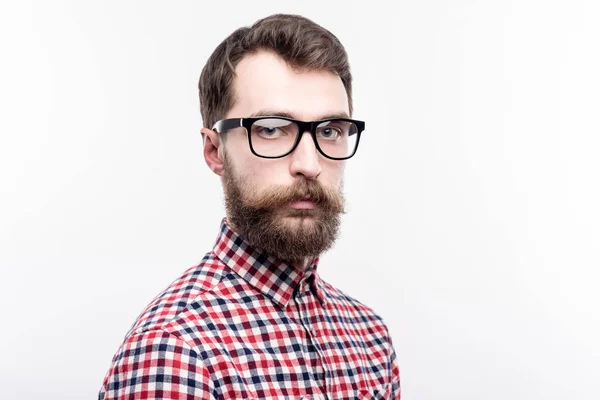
(303, 204)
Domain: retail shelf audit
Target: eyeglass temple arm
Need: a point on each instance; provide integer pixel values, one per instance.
(227, 124)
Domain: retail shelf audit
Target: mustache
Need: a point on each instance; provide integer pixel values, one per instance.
(326, 198)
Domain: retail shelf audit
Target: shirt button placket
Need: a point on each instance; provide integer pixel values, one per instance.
(302, 299)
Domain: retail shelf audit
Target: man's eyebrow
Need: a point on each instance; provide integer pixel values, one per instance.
(280, 113)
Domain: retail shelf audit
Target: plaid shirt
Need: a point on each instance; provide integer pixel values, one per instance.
(242, 325)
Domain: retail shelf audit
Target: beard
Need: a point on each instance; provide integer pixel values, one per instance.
(267, 222)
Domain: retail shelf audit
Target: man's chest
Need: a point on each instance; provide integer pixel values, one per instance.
(253, 350)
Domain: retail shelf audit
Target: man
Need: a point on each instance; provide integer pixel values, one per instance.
(254, 320)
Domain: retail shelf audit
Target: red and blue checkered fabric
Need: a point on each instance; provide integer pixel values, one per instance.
(242, 325)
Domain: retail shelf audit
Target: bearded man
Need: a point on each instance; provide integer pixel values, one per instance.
(254, 320)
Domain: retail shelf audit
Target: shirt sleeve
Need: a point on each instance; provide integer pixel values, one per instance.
(395, 373)
(157, 365)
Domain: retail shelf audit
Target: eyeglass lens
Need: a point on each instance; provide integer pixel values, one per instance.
(273, 137)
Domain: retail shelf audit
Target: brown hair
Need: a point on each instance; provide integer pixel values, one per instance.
(300, 42)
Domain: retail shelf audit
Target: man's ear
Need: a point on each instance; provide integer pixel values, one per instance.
(212, 155)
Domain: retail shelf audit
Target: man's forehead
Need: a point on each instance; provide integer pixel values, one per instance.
(297, 114)
(265, 85)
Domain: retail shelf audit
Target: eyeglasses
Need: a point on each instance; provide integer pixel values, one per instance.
(276, 137)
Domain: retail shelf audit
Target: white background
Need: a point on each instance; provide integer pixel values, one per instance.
(474, 198)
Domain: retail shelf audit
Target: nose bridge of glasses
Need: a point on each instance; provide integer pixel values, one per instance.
(300, 145)
(307, 127)
(304, 127)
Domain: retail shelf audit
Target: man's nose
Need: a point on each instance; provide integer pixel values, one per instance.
(305, 158)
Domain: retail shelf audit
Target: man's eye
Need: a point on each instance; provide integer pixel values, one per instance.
(329, 133)
(269, 133)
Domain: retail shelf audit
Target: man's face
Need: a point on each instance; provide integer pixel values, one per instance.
(264, 197)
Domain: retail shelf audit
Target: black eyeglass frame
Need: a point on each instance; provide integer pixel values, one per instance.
(224, 125)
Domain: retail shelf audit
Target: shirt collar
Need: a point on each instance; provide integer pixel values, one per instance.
(272, 277)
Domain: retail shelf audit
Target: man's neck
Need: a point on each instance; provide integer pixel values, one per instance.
(303, 266)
